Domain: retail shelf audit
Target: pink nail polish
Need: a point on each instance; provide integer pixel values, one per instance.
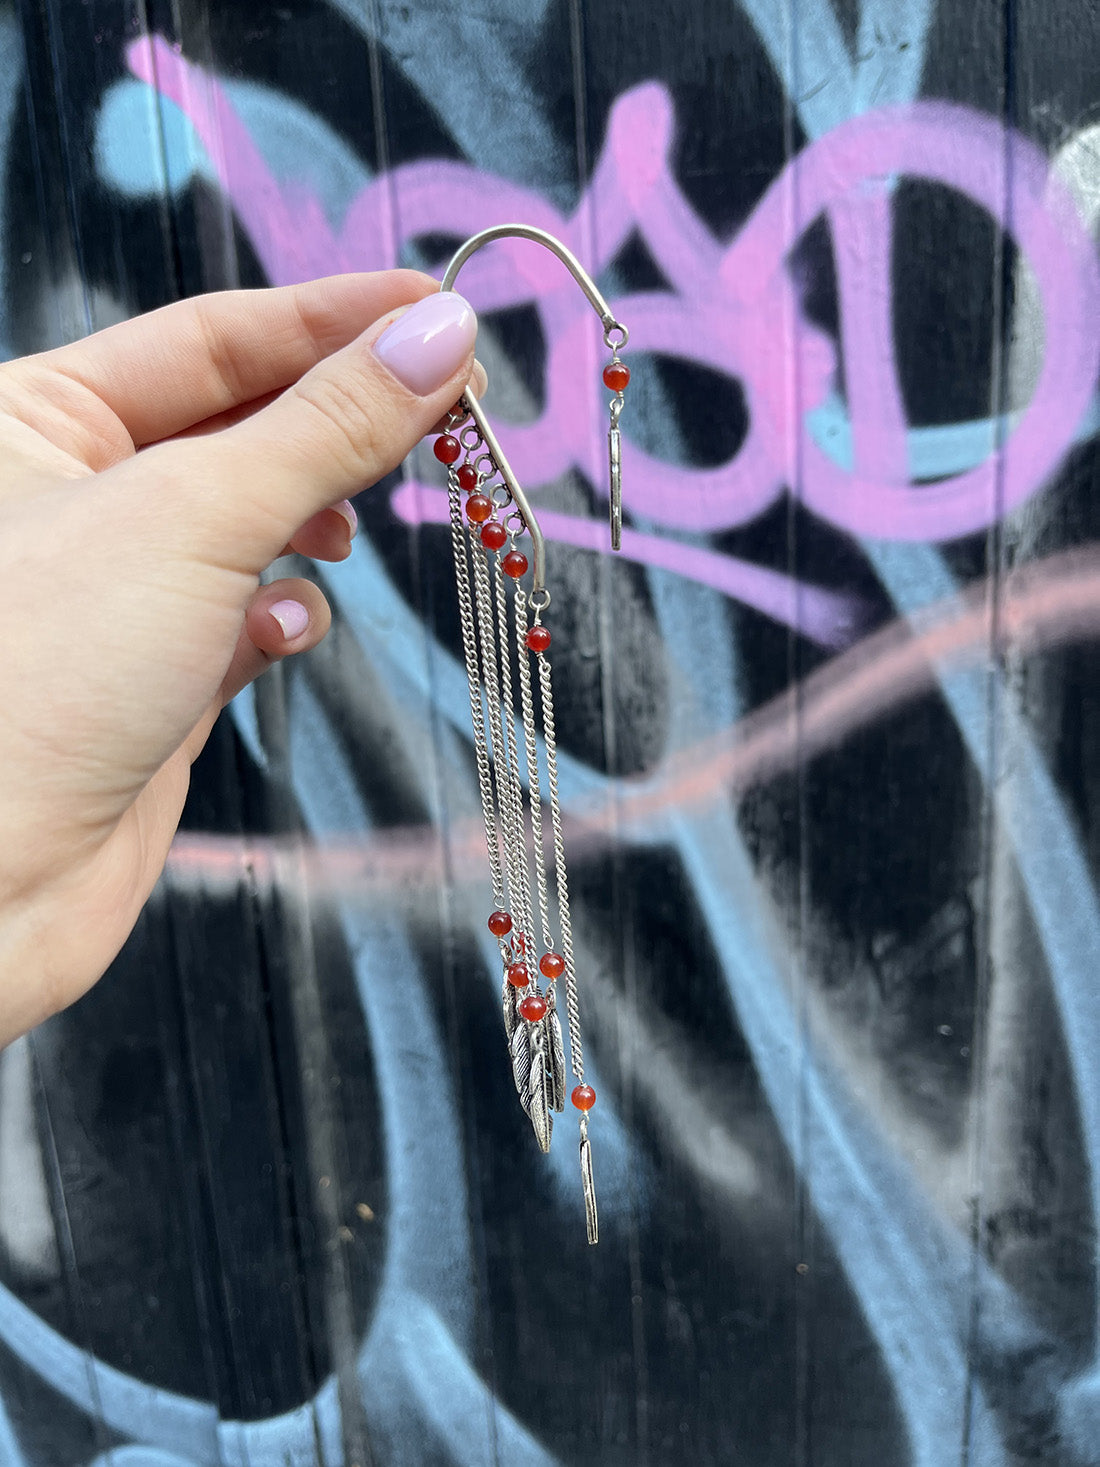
(429, 342)
(292, 617)
(347, 509)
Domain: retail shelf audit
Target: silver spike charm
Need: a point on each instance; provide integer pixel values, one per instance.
(615, 468)
(590, 1215)
(555, 1053)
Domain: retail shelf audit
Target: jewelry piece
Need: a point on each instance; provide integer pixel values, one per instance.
(615, 375)
(489, 567)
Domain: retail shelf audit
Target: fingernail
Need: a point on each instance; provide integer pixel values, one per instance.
(291, 616)
(347, 509)
(427, 345)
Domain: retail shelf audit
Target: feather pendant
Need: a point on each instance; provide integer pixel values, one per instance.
(511, 1017)
(532, 1076)
(555, 1053)
(587, 1183)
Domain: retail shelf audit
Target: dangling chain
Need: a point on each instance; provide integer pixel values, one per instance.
(513, 816)
(477, 710)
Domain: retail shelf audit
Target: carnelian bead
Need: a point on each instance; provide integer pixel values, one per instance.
(533, 1008)
(583, 1097)
(500, 923)
(514, 564)
(467, 476)
(517, 975)
(538, 638)
(478, 508)
(448, 450)
(551, 965)
(493, 535)
(616, 375)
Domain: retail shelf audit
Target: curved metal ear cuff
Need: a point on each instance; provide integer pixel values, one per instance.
(534, 933)
(616, 375)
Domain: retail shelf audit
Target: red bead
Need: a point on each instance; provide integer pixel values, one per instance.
(551, 965)
(517, 975)
(538, 638)
(448, 450)
(616, 375)
(478, 508)
(467, 476)
(514, 564)
(493, 535)
(583, 1097)
(533, 1008)
(500, 924)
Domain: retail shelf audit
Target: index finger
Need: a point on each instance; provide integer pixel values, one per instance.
(170, 370)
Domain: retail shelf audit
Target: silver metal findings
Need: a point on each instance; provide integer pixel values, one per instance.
(616, 375)
(614, 457)
(591, 1217)
(496, 540)
(555, 246)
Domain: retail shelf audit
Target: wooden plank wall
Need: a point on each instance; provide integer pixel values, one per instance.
(829, 731)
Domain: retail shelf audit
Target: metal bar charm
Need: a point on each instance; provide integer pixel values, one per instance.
(590, 1215)
(615, 465)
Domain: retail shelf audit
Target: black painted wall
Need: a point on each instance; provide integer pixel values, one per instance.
(830, 737)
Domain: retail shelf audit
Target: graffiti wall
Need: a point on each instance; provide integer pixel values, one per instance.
(829, 758)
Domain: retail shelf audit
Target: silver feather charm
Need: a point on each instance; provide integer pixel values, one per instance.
(587, 1183)
(555, 1053)
(511, 1017)
(533, 1078)
(614, 456)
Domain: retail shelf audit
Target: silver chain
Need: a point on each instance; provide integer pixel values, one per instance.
(527, 705)
(487, 649)
(515, 783)
(489, 667)
(473, 680)
(576, 1052)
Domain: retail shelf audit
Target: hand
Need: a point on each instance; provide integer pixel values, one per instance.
(148, 474)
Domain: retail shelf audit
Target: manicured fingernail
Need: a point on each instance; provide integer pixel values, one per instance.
(347, 509)
(427, 345)
(291, 616)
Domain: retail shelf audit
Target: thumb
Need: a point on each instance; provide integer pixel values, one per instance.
(346, 423)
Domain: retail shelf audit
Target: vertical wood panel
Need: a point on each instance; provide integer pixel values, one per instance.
(974, 1417)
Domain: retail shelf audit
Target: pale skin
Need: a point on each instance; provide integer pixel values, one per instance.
(148, 475)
